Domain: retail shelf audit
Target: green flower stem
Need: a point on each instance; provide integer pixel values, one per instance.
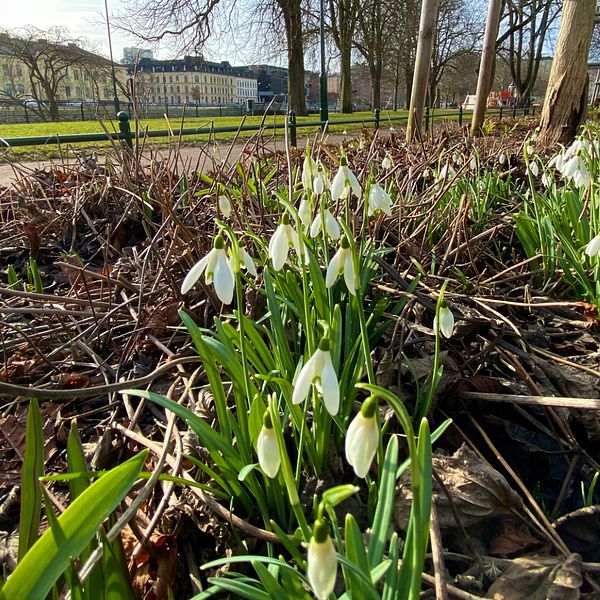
(288, 475)
(242, 410)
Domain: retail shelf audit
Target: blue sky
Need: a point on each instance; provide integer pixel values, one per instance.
(85, 19)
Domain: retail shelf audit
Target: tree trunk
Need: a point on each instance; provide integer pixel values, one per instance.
(375, 72)
(566, 96)
(292, 16)
(486, 65)
(429, 13)
(346, 79)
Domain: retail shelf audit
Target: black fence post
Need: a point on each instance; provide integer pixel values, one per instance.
(26, 113)
(377, 116)
(460, 115)
(81, 111)
(515, 111)
(293, 132)
(533, 110)
(427, 118)
(125, 129)
(220, 111)
(501, 112)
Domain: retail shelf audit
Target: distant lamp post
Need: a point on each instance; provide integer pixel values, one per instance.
(112, 62)
(323, 78)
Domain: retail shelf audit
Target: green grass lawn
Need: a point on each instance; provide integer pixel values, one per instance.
(362, 119)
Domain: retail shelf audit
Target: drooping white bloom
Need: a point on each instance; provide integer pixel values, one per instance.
(502, 158)
(534, 169)
(284, 238)
(546, 180)
(225, 206)
(319, 371)
(309, 170)
(319, 183)
(344, 182)
(362, 438)
(379, 200)
(576, 170)
(332, 227)
(386, 163)
(473, 163)
(446, 172)
(247, 262)
(267, 448)
(593, 246)
(342, 263)
(321, 567)
(218, 271)
(445, 326)
(305, 212)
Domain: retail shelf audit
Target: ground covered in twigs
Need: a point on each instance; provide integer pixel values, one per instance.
(515, 511)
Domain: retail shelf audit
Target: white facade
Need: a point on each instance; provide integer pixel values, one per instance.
(247, 88)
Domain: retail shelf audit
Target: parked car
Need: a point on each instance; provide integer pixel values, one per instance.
(32, 103)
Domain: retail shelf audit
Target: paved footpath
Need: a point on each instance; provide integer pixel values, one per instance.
(197, 158)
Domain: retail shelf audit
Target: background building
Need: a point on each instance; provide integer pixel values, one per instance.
(191, 80)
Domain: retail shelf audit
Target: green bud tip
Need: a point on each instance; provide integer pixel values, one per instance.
(443, 304)
(368, 408)
(285, 219)
(343, 161)
(267, 420)
(219, 242)
(320, 531)
(324, 344)
(344, 243)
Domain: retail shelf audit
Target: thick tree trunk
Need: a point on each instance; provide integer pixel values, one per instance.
(375, 72)
(486, 65)
(429, 14)
(566, 96)
(346, 79)
(292, 16)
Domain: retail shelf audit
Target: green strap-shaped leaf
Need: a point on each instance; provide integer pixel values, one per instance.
(33, 469)
(50, 555)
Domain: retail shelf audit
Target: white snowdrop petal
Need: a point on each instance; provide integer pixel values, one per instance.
(223, 279)
(322, 567)
(267, 450)
(195, 273)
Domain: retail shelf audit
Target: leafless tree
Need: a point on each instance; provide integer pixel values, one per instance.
(524, 30)
(188, 24)
(344, 19)
(46, 56)
(459, 30)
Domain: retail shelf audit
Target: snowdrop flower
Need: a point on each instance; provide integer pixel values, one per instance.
(322, 561)
(386, 163)
(533, 169)
(546, 180)
(342, 263)
(576, 170)
(473, 163)
(457, 159)
(445, 326)
(268, 449)
(331, 225)
(225, 206)
(344, 182)
(318, 184)
(379, 200)
(305, 212)
(446, 172)
(319, 371)
(284, 238)
(593, 246)
(309, 170)
(217, 271)
(362, 438)
(502, 158)
(246, 262)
